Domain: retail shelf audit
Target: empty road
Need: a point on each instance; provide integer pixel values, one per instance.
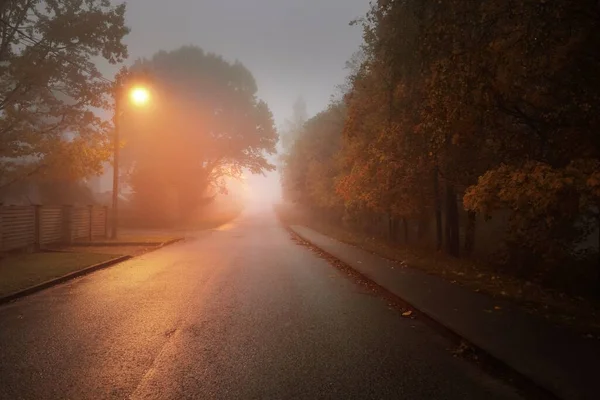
(241, 312)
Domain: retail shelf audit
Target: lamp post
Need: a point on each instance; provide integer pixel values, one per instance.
(138, 96)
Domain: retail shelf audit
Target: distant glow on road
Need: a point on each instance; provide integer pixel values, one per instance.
(226, 227)
(139, 96)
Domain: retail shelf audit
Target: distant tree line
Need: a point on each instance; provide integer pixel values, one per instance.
(456, 112)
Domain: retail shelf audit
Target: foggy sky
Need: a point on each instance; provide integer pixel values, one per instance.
(292, 47)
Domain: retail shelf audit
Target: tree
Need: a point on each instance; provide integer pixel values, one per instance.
(207, 124)
(545, 128)
(385, 161)
(292, 129)
(311, 166)
(49, 86)
(495, 103)
(290, 133)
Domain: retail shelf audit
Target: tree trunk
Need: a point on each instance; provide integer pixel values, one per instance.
(470, 233)
(598, 266)
(405, 224)
(438, 210)
(452, 222)
(395, 230)
(422, 226)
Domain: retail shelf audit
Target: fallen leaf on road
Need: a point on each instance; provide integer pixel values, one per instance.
(497, 308)
(407, 313)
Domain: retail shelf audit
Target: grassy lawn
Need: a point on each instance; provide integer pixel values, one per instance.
(114, 249)
(144, 238)
(20, 271)
(576, 312)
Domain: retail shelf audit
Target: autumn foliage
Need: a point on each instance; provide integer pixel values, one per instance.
(459, 112)
(50, 86)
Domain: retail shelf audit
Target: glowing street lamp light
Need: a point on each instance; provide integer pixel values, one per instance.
(139, 96)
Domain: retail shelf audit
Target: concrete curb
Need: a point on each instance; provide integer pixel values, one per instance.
(62, 279)
(170, 242)
(497, 366)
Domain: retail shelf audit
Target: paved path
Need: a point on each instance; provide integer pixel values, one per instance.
(237, 313)
(564, 363)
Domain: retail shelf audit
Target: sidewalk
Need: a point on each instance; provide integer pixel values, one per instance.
(566, 364)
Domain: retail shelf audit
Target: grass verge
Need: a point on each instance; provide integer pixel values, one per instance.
(582, 315)
(21, 271)
(114, 250)
(149, 238)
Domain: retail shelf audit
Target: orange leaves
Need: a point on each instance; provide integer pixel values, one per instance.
(536, 189)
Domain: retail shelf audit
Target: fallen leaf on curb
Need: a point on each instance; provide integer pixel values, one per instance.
(407, 313)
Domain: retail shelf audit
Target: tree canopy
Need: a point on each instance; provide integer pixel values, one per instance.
(206, 124)
(50, 86)
(456, 110)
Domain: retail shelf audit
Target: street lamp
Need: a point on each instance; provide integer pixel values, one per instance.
(139, 96)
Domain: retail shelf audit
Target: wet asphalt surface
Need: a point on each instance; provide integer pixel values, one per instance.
(242, 312)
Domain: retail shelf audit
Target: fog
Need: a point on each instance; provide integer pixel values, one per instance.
(292, 48)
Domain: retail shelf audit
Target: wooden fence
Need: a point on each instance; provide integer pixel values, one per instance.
(35, 227)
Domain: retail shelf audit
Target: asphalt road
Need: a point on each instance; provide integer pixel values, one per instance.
(242, 312)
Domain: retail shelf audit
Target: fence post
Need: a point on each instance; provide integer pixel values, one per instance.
(37, 241)
(67, 214)
(91, 230)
